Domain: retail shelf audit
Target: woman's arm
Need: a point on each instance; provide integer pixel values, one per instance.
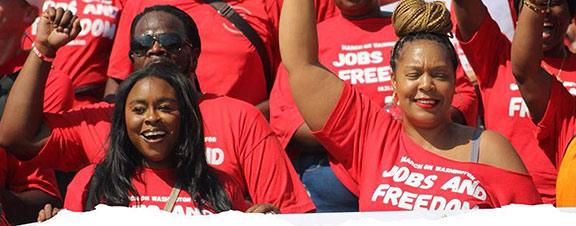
(533, 82)
(469, 15)
(21, 130)
(315, 89)
(22, 207)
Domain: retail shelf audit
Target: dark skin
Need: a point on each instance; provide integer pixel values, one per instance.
(22, 207)
(26, 135)
(534, 83)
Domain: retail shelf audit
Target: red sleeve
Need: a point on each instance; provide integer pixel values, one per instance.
(78, 190)
(285, 118)
(559, 121)
(267, 170)
(119, 64)
(58, 93)
(507, 187)
(233, 190)
(349, 126)
(465, 99)
(63, 150)
(27, 176)
(486, 50)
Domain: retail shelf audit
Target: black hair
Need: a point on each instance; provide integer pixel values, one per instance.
(442, 39)
(111, 183)
(189, 25)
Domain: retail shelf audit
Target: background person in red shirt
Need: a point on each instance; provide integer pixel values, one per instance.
(552, 108)
(488, 51)
(25, 189)
(422, 161)
(15, 17)
(85, 60)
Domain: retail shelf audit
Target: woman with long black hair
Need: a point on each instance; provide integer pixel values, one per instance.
(156, 156)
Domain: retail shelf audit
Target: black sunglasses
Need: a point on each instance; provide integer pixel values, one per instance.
(170, 41)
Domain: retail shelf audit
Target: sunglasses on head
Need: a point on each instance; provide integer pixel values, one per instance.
(171, 42)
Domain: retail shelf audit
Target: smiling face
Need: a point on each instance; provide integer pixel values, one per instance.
(152, 120)
(424, 83)
(158, 24)
(555, 25)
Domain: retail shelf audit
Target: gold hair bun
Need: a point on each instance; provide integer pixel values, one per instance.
(413, 16)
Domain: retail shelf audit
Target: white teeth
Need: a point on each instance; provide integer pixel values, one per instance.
(427, 101)
(154, 133)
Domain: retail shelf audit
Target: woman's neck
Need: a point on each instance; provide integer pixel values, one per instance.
(559, 51)
(158, 165)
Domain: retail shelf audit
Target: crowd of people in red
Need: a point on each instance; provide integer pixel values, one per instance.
(292, 106)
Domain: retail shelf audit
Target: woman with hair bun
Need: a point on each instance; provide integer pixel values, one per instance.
(423, 160)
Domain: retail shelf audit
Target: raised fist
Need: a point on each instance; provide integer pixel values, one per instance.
(56, 28)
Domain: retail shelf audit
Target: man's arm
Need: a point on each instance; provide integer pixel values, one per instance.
(21, 130)
(469, 16)
(110, 90)
(315, 89)
(534, 83)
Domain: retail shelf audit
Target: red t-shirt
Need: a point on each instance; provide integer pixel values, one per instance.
(17, 176)
(85, 59)
(394, 173)
(558, 125)
(154, 190)
(228, 64)
(238, 143)
(556, 129)
(360, 58)
(58, 94)
(504, 109)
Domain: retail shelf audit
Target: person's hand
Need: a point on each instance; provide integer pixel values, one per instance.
(56, 28)
(47, 213)
(265, 208)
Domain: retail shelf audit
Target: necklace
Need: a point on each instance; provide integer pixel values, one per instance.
(565, 55)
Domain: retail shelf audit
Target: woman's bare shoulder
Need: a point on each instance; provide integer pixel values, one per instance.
(497, 151)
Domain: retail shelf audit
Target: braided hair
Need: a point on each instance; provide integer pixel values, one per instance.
(420, 20)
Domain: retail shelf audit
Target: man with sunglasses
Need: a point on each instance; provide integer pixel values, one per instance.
(239, 142)
(229, 64)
